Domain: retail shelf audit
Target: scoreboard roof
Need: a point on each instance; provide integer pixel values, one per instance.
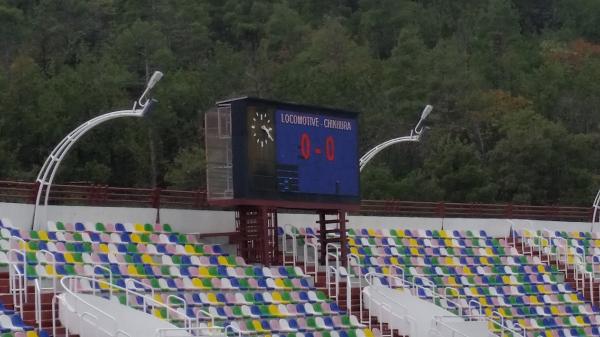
(292, 105)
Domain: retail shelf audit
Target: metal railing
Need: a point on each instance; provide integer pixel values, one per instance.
(191, 324)
(102, 195)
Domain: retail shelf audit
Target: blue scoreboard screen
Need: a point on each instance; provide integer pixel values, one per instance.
(316, 153)
(292, 156)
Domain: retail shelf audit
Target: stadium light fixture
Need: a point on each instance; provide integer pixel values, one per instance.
(45, 177)
(415, 136)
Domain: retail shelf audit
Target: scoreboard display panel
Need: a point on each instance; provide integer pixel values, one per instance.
(288, 154)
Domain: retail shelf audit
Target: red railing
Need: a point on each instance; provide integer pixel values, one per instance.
(100, 195)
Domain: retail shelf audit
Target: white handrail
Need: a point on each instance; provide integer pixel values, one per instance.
(16, 276)
(110, 277)
(329, 269)
(288, 230)
(38, 305)
(181, 300)
(314, 262)
(67, 284)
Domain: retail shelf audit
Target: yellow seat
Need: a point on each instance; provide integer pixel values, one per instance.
(147, 259)
(394, 261)
(452, 281)
(69, 258)
(372, 232)
(257, 326)
(212, 298)
(139, 227)
(351, 242)
(443, 234)
(277, 297)
(135, 238)
(412, 243)
(103, 248)
(31, 334)
(197, 283)
(274, 310)
(354, 250)
(484, 260)
(368, 333)
(448, 243)
(279, 283)
(43, 235)
(554, 310)
(533, 300)
(467, 271)
(414, 251)
(223, 261)
(131, 270)
(579, 320)
(157, 313)
(385, 270)
(203, 271)
(50, 270)
(158, 298)
(104, 285)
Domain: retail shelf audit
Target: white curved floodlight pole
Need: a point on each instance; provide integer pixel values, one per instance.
(596, 206)
(46, 175)
(415, 136)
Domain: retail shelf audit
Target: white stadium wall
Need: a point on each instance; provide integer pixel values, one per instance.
(210, 221)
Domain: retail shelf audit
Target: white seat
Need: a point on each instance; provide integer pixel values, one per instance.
(129, 227)
(51, 226)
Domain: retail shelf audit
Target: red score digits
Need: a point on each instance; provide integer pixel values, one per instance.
(305, 147)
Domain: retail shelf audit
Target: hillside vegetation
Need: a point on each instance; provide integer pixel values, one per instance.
(515, 85)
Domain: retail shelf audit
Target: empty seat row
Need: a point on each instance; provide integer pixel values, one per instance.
(109, 227)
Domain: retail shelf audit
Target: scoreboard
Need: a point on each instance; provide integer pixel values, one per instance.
(286, 155)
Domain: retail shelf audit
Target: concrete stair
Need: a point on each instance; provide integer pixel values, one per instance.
(354, 302)
(29, 316)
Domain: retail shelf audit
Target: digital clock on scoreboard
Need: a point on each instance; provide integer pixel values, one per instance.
(286, 154)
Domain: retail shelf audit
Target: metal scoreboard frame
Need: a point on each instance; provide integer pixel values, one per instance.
(282, 155)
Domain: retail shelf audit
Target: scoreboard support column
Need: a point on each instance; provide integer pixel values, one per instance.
(257, 228)
(333, 230)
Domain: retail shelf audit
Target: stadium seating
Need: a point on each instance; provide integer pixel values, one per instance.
(478, 267)
(255, 299)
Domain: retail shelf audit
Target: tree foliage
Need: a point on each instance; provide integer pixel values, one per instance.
(517, 105)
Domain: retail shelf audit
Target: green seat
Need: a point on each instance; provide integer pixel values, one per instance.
(148, 228)
(100, 227)
(60, 226)
(176, 259)
(244, 283)
(70, 269)
(34, 235)
(132, 248)
(237, 311)
(31, 273)
(77, 236)
(154, 283)
(31, 257)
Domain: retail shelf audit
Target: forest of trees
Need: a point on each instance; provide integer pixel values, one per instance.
(513, 82)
